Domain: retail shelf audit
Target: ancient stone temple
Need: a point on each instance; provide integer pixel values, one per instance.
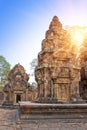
(58, 70)
(18, 88)
(83, 81)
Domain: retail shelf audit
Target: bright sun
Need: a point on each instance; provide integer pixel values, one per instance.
(77, 36)
(78, 33)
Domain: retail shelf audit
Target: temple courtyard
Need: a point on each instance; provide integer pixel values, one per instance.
(9, 120)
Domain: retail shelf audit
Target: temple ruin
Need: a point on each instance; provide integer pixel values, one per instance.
(61, 74)
(17, 89)
(83, 71)
(58, 72)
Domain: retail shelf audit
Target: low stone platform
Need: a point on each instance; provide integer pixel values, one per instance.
(29, 110)
(9, 121)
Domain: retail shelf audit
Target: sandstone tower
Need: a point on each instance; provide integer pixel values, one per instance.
(58, 70)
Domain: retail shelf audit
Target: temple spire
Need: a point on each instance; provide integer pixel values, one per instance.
(55, 23)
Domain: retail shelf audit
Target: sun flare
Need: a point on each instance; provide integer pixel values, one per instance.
(77, 36)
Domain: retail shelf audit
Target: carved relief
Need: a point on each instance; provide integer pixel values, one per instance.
(58, 63)
(17, 87)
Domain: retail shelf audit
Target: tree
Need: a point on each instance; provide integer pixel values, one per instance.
(33, 64)
(4, 70)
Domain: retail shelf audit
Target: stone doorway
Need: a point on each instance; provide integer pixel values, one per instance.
(18, 98)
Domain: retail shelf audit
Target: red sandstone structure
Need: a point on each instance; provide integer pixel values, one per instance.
(83, 72)
(60, 75)
(58, 70)
(18, 88)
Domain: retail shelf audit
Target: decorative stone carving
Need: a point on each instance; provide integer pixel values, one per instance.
(58, 69)
(18, 88)
(83, 81)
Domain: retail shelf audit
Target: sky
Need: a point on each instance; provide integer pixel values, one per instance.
(23, 24)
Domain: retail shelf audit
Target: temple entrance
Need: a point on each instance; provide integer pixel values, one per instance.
(18, 98)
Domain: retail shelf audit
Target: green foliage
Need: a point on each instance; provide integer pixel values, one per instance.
(4, 70)
(33, 63)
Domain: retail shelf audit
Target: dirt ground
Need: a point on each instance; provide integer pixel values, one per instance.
(9, 120)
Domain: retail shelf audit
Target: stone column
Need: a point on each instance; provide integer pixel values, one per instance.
(51, 88)
(45, 90)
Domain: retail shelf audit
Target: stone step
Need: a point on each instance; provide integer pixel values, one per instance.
(35, 111)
